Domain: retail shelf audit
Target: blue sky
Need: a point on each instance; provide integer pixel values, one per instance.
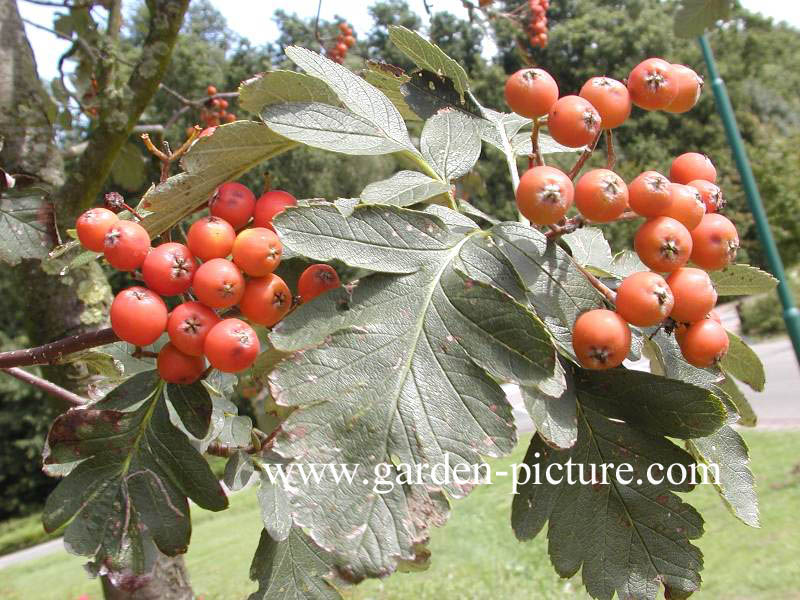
(253, 19)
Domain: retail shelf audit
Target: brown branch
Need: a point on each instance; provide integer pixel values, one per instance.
(52, 353)
(584, 156)
(47, 386)
(609, 294)
(536, 154)
(261, 441)
(611, 156)
(579, 221)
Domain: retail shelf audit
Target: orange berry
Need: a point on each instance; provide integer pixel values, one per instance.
(715, 242)
(573, 121)
(649, 194)
(663, 244)
(611, 99)
(690, 166)
(690, 85)
(687, 206)
(704, 343)
(531, 92)
(257, 251)
(266, 300)
(601, 195)
(92, 227)
(694, 294)
(316, 280)
(176, 367)
(653, 84)
(544, 195)
(601, 339)
(210, 237)
(644, 299)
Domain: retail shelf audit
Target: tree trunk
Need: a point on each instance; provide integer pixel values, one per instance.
(61, 306)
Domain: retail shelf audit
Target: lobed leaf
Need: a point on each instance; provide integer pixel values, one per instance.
(278, 87)
(450, 144)
(390, 80)
(742, 280)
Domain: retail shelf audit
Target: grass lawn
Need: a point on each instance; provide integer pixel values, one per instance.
(476, 554)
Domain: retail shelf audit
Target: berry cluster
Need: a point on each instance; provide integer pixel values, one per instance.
(215, 110)
(228, 260)
(345, 40)
(682, 212)
(537, 27)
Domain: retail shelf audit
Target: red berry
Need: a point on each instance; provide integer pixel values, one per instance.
(601, 339)
(544, 195)
(687, 206)
(271, 204)
(710, 193)
(611, 99)
(690, 84)
(211, 90)
(126, 245)
(644, 299)
(316, 280)
(690, 166)
(168, 269)
(138, 316)
(649, 194)
(266, 300)
(233, 202)
(92, 227)
(176, 367)
(663, 244)
(188, 325)
(573, 121)
(653, 84)
(210, 237)
(714, 242)
(257, 251)
(704, 343)
(694, 294)
(601, 195)
(231, 346)
(531, 92)
(218, 283)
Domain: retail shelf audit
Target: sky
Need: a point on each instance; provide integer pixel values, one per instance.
(253, 19)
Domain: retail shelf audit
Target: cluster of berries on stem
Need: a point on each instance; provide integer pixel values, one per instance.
(682, 223)
(344, 41)
(537, 26)
(215, 110)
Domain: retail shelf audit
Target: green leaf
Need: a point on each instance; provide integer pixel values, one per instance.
(401, 369)
(450, 144)
(429, 56)
(275, 510)
(522, 146)
(471, 211)
(404, 188)
(427, 93)
(129, 168)
(239, 470)
(193, 405)
(747, 416)
(293, 569)
(696, 16)
(232, 150)
(329, 128)
(390, 80)
(356, 94)
(743, 363)
(26, 225)
(277, 87)
(552, 408)
(499, 128)
(626, 539)
(742, 280)
(666, 353)
(626, 263)
(652, 403)
(726, 451)
(137, 470)
(590, 248)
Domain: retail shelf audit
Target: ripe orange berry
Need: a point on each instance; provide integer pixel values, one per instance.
(126, 245)
(138, 316)
(601, 339)
(690, 84)
(663, 244)
(188, 325)
(231, 346)
(710, 193)
(644, 299)
(266, 300)
(649, 194)
(694, 294)
(257, 251)
(230, 118)
(653, 84)
(690, 166)
(531, 92)
(211, 90)
(345, 28)
(544, 195)
(92, 227)
(611, 99)
(233, 202)
(218, 283)
(168, 269)
(210, 237)
(316, 280)
(349, 41)
(573, 121)
(601, 195)
(176, 367)
(687, 206)
(715, 242)
(271, 204)
(704, 343)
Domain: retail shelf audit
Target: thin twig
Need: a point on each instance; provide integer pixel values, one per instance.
(152, 148)
(316, 25)
(53, 352)
(584, 156)
(611, 156)
(609, 294)
(60, 4)
(536, 155)
(47, 386)
(261, 442)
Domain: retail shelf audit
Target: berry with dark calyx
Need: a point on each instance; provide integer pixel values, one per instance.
(687, 206)
(176, 367)
(644, 299)
(690, 85)
(653, 84)
(694, 294)
(690, 166)
(138, 316)
(611, 99)
(218, 283)
(316, 280)
(704, 343)
(544, 195)
(649, 194)
(168, 269)
(663, 244)
(266, 300)
(233, 202)
(257, 251)
(188, 325)
(231, 346)
(573, 122)
(710, 194)
(126, 245)
(601, 195)
(210, 237)
(531, 92)
(92, 227)
(715, 242)
(271, 204)
(601, 339)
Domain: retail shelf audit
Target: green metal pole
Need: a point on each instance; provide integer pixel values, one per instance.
(791, 314)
